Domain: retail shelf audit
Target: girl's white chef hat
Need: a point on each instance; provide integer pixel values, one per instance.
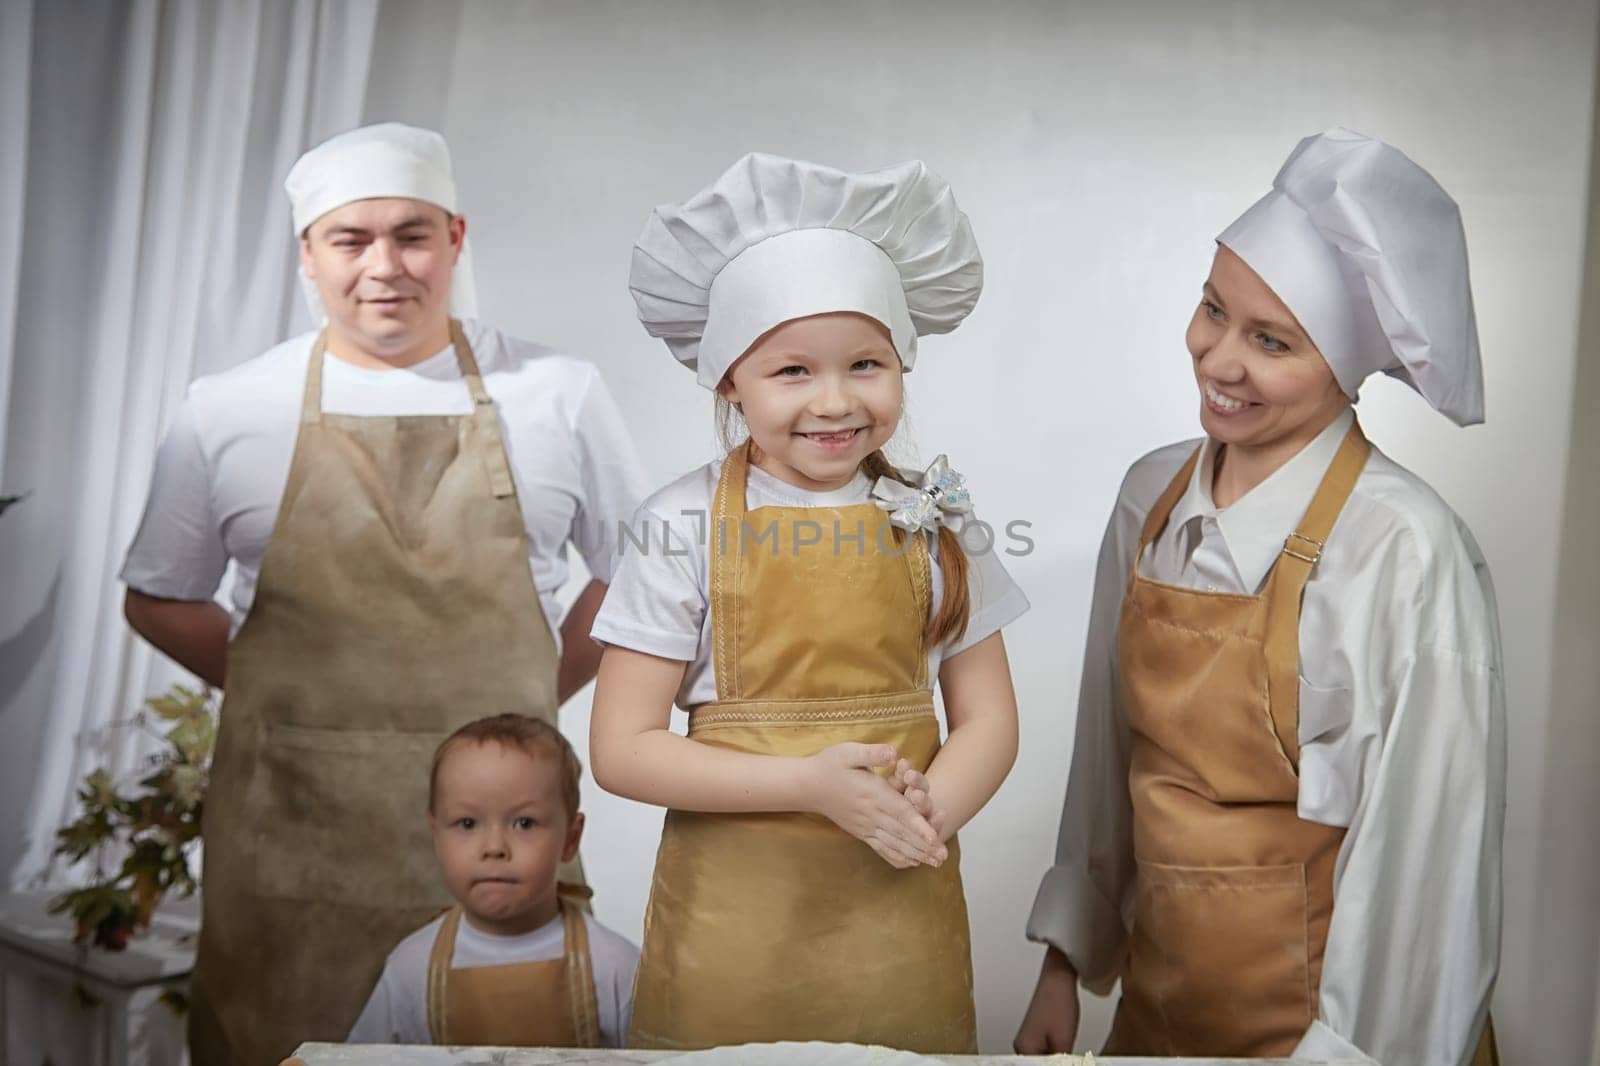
(1368, 252)
(776, 239)
(387, 160)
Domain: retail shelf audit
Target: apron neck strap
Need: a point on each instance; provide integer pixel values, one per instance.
(444, 952)
(1157, 518)
(311, 405)
(1304, 545)
(581, 1000)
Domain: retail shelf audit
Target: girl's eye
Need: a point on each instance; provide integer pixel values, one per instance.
(523, 823)
(865, 364)
(792, 371)
(1213, 312)
(1273, 344)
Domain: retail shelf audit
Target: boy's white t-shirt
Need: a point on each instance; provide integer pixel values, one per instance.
(659, 599)
(397, 1010)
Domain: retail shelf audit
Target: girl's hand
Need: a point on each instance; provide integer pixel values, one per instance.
(919, 792)
(844, 789)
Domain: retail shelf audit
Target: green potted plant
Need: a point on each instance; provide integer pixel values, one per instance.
(154, 827)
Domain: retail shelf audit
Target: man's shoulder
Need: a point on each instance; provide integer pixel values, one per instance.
(501, 353)
(281, 367)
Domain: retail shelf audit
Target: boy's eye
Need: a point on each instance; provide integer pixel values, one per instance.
(466, 823)
(523, 823)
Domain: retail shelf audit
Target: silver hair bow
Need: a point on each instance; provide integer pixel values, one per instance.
(939, 497)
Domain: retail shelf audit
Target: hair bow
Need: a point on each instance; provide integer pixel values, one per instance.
(938, 497)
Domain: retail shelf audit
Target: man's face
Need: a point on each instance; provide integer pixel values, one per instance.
(382, 268)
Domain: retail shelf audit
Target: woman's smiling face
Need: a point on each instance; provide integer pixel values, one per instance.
(1263, 383)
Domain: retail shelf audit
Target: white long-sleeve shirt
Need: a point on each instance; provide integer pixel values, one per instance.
(1402, 741)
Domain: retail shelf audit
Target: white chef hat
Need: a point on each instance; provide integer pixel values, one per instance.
(1368, 252)
(777, 239)
(387, 160)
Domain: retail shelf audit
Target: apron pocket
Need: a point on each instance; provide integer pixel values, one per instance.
(344, 817)
(1218, 958)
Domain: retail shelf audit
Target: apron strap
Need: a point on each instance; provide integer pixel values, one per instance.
(1301, 551)
(311, 404)
(1162, 509)
(444, 952)
(484, 418)
(727, 523)
(581, 1001)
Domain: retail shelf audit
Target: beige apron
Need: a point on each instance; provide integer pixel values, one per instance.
(528, 1004)
(765, 927)
(1234, 892)
(394, 604)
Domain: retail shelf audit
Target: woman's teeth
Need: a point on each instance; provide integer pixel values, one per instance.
(1226, 403)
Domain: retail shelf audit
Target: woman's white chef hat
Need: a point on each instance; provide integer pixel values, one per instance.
(776, 239)
(386, 160)
(1368, 252)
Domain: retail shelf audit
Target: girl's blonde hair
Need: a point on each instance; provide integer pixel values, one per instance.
(949, 622)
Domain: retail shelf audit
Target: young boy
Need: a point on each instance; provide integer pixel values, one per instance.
(515, 962)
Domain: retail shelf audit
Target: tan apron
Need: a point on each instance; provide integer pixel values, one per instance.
(1234, 892)
(394, 604)
(528, 1004)
(765, 927)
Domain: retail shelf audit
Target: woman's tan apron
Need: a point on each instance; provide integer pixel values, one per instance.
(528, 1004)
(1234, 892)
(765, 927)
(394, 604)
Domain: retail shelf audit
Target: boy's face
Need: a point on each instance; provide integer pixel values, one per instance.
(500, 831)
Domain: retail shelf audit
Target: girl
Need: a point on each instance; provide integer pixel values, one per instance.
(800, 603)
(1283, 818)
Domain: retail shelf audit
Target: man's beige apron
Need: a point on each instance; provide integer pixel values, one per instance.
(765, 927)
(1234, 891)
(527, 1004)
(394, 604)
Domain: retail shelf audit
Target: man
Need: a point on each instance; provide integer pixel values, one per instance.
(396, 493)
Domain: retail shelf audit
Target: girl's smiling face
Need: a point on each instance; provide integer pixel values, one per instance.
(1263, 384)
(819, 394)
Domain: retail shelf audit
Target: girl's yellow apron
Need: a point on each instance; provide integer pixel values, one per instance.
(528, 1004)
(765, 927)
(1234, 891)
(394, 604)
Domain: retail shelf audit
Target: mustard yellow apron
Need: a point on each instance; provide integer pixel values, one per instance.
(529, 1004)
(394, 604)
(765, 927)
(1234, 891)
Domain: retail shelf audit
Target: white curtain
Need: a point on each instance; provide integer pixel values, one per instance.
(145, 147)
(144, 240)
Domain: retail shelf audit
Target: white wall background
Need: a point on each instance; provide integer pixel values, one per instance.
(1098, 147)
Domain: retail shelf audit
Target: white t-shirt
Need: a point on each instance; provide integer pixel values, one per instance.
(1402, 741)
(659, 600)
(221, 471)
(397, 1010)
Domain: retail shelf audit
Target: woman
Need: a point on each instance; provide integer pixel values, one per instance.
(1283, 819)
